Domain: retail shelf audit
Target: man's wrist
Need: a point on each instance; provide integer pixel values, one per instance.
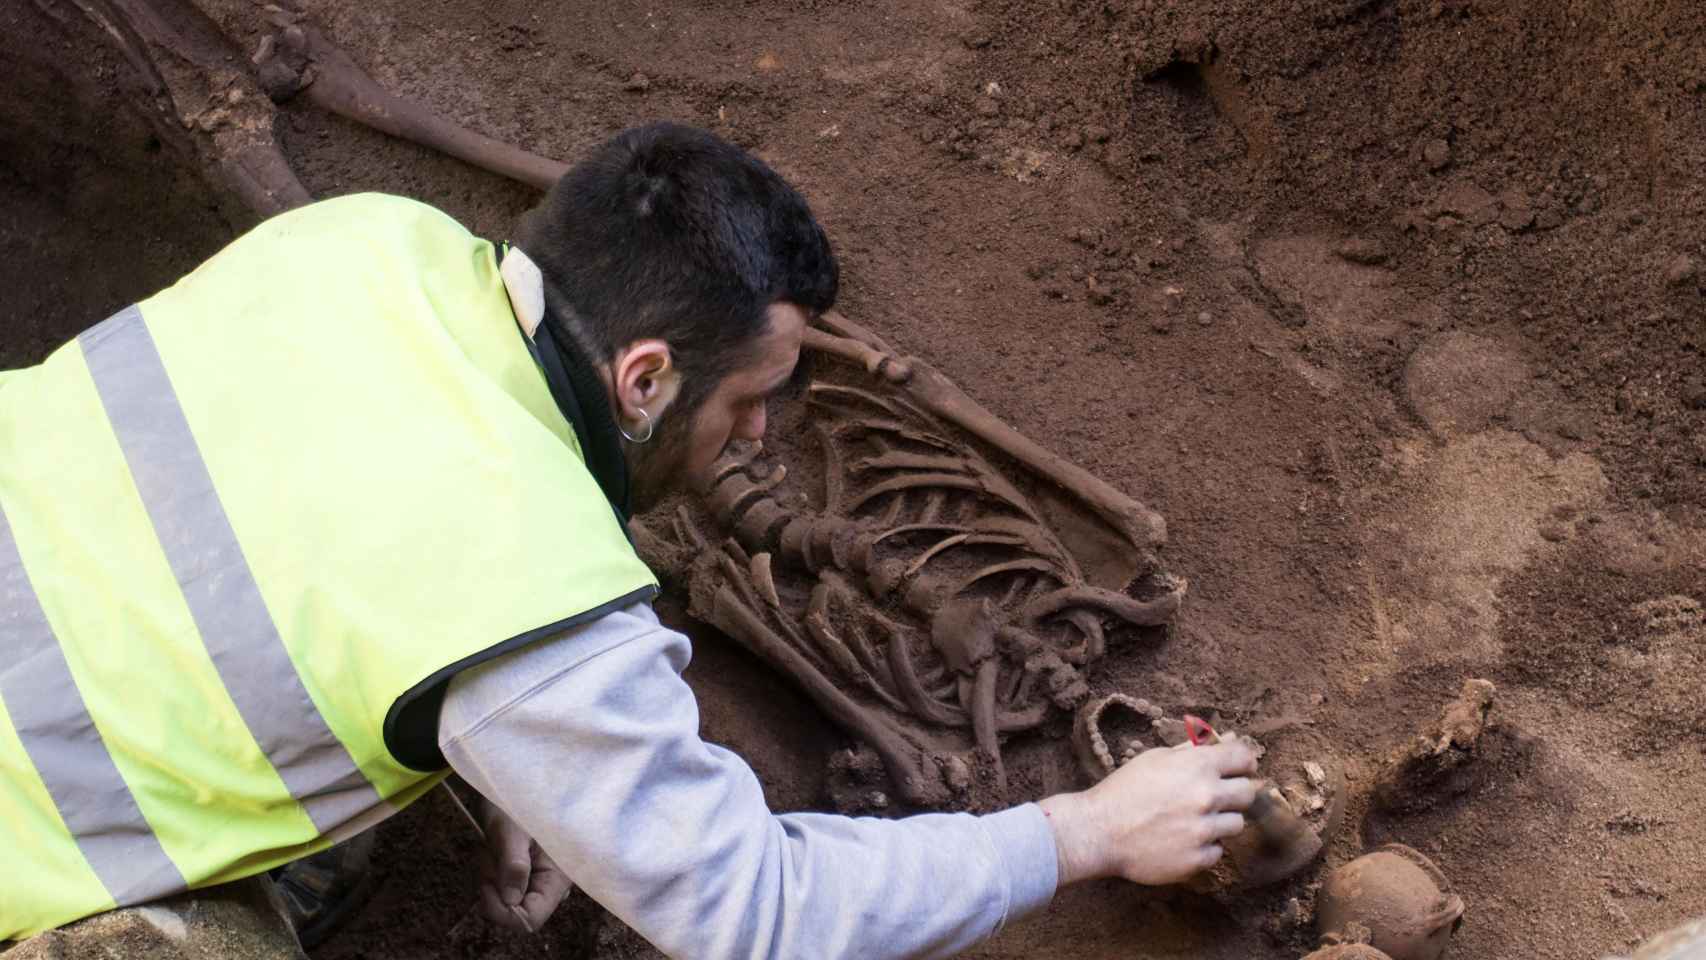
(1075, 848)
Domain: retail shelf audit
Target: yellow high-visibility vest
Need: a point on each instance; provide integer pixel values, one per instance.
(249, 528)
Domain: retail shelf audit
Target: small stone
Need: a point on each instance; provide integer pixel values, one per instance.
(1437, 153)
(1554, 532)
(1681, 271)
(1516, 220)
(1161, 324)
(1193, 46)
(986, 106)
(1316, 773)
(1072, 140)
(1362, 250)
(1469, 201)
(957, 773)
(976, 39)
(638, 83)
(1205, 318)
(1096, 133)
(1518, 213)
(877, 799)
(1550, 218)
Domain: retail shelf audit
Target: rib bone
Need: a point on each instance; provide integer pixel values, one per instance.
(939, 396)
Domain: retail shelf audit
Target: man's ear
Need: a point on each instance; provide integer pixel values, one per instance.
(644, 377)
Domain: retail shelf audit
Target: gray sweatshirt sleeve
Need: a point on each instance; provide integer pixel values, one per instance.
(590, 741)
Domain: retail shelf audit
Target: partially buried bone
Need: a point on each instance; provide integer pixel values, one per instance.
(1111, 730)
(1394, 899)
(938, 395)
(1687, 942)
(721, 602)
(1277, 844)
(1348, 951)
(298, 58)
(188, 82)
(1438, 763)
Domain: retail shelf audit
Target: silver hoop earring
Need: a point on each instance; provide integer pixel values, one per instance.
(642, 438)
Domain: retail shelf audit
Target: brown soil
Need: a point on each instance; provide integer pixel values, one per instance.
(1393, 308)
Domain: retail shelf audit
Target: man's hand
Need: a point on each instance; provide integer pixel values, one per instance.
(1158, 819)
(520, 887)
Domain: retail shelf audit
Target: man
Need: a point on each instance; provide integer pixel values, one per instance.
(345, 507)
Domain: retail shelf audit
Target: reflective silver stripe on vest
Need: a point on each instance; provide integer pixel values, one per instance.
(47, 711)
(202, 548)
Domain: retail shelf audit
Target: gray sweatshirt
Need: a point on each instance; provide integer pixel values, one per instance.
(590, 740)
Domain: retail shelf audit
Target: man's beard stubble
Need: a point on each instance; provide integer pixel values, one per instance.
(657, 468)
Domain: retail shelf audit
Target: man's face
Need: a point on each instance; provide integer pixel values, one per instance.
(687, 442)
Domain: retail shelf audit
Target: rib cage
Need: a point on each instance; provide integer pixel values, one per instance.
(917, 592)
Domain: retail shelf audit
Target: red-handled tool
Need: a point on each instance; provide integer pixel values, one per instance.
(1199, 732)
(1284, 843)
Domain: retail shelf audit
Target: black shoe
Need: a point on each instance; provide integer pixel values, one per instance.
(321, 890)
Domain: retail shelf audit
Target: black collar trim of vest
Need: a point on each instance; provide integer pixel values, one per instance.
(411, 725)
(575, 385)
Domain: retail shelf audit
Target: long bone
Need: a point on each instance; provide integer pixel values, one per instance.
(189, 83)
(964, 633)
(906, 763)
(938, 395)
(299, 59)
(1138, 612)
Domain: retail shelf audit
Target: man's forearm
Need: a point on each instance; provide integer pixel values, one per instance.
(590, 741)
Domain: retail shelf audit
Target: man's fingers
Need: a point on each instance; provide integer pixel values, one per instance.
(515, 864)
(539, 905)
(1209, 856)
(499, 912)
(1232, 759)
(1233, 794)
(1223, 825)
(547, 888)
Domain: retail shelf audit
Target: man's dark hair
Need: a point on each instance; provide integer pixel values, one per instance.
(668, 231)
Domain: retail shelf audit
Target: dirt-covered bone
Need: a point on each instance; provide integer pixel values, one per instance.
(1438, 762)
(187, 79)
(298, 58)
(903, 548)
(1111, 730)
(932, 391)
(1394, 899)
